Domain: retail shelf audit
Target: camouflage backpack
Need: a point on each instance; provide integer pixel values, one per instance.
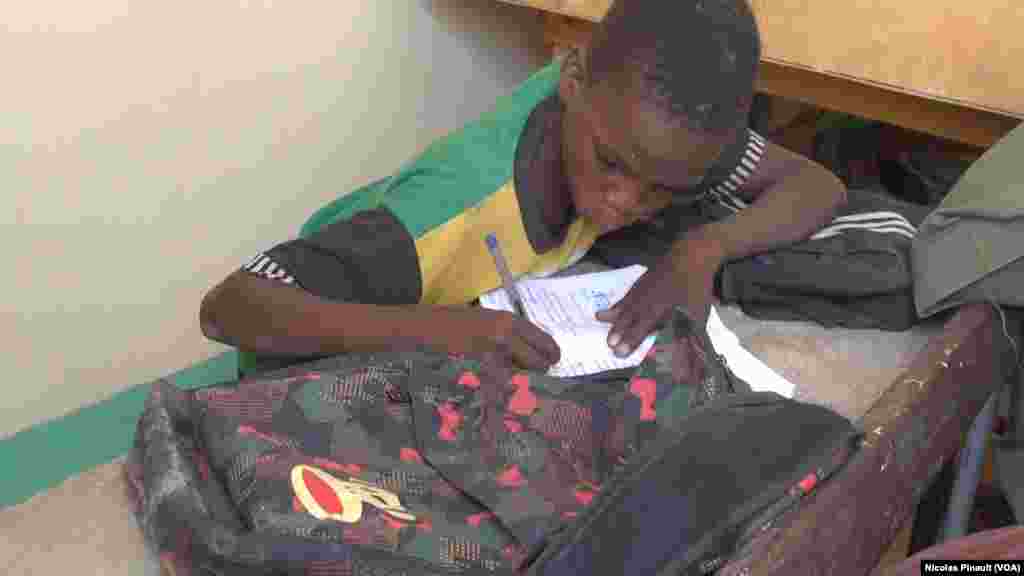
(421, 463)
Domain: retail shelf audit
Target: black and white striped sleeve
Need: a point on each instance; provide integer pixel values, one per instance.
(369, 258)
(742, 161)
(265, 266)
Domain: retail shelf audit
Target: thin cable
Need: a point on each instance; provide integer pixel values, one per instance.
(1006, 330)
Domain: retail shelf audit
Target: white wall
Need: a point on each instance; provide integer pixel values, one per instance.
(149, 148)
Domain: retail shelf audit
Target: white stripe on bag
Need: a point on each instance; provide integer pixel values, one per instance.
(860, 217)
(837, 230)
(869, 226)
(870, 220)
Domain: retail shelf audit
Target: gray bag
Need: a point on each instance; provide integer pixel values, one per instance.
(969, 249)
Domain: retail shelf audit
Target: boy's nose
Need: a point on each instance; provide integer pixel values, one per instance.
(624, 195)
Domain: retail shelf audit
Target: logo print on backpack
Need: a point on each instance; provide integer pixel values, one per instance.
(329, 498)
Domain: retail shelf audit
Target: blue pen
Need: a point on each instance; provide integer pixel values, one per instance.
(506, 277)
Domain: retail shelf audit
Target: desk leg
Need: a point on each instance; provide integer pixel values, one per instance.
(1014, 439)
(971, 461)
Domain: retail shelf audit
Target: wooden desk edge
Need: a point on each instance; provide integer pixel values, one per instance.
(919, 113)
(574, 14)
(908, 437)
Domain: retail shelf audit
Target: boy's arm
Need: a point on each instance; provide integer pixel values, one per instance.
(261, 315)
(319, 295)
(792, 198)
(354, 287)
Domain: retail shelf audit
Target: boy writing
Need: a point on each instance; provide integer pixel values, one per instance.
(653, 112)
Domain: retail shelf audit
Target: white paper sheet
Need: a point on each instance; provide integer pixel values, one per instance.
(565, 308)
(744, 364)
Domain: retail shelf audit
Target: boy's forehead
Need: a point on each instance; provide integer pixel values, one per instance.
(648, 137)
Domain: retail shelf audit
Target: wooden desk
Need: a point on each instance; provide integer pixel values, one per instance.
(941, 67)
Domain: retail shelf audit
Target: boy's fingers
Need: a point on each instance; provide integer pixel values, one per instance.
(526, 356)
(608, 314)
(541, 342)
(530, 347)
(625, 316)
(627, 334)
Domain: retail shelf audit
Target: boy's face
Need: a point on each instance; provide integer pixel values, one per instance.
(625, 159)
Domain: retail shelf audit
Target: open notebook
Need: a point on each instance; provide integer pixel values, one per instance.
(565, 308)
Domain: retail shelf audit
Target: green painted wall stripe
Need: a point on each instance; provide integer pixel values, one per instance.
(41, 457)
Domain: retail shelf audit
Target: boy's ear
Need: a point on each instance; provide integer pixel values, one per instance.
(573, 74)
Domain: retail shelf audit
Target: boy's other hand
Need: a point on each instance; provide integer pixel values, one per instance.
(492, 335)
(683, 277)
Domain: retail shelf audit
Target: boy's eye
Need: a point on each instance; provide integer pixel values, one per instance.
(607, 162)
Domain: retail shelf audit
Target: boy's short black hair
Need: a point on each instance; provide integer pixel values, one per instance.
(699, 58)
